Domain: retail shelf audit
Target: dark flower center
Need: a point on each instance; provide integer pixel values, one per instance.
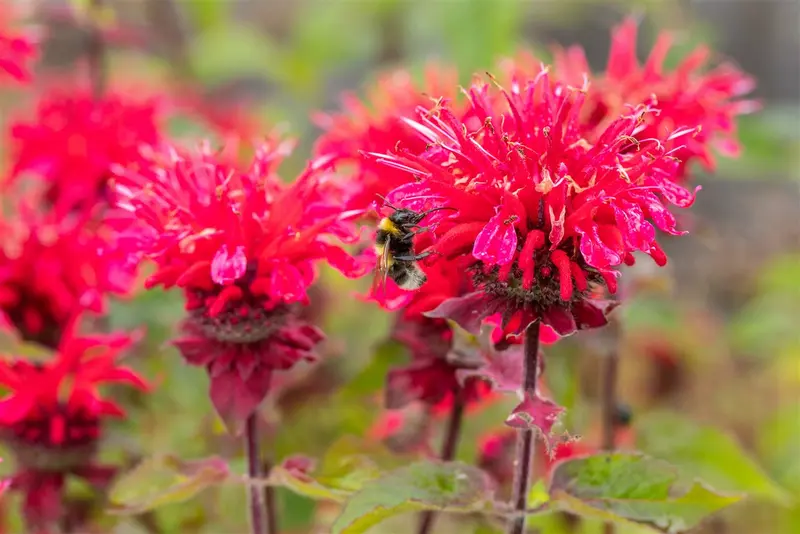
(54, 438)
(33, 317)
(546, 289)
(241, 321)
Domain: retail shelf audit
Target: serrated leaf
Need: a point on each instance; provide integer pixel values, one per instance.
(705, 452)
(442, 486)
(633, 487)
(345, 468)
(164, 480)
(539, 414)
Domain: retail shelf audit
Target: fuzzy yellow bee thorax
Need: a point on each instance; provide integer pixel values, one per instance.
(388, 226)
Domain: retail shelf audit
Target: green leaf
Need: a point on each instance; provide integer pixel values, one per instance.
(372, 378)
(346, 467)
(451, 486)
(208, 15)
(165, 480)
(706, 452)
(538, 496)
(632, 487)
(306, 486)
(778, 443)
(221, 55)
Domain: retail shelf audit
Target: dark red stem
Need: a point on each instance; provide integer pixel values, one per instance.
(523, 460)
(96, 50)
(269, 500)
(257, 507)
(449, 446)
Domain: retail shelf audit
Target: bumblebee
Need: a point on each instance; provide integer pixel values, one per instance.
(394, 246)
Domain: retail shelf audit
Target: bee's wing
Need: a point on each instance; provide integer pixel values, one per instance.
(381, 271)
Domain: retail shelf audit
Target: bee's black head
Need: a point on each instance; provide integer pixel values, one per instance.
(403, 217)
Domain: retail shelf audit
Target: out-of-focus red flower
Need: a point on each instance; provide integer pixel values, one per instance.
(16, 51)
(243, 247)
(379, 125)
(433, 374)
(52, 416)
(406, 430)
(691, 95)
(74, 138)
(53, 266)
(541, 212)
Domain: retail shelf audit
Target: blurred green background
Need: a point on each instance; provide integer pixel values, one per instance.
(728, 319)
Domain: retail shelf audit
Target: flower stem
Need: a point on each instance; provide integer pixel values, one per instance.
(257, 507)
(448, 453)
(269, 500)
(609, 407)
(523, 461)
(96, 50)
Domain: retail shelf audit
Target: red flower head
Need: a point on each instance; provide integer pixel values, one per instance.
(53, 413)
(378, 126)
(243, 247)
(690, 96)
(74, 139)
(51, 267)
(405, 430)
(542, 213)
(16, 50)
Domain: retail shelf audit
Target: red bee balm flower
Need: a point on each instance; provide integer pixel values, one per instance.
(243, 247)
(542, 212)
(15, 51)
(379, 126)
(51, 267)
(688, 96)
(52, 416)
(74, 139)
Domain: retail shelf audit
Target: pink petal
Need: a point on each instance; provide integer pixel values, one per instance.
(226, 269)
(547, 335)
(287, 282)
(496, 244)
(594, 250)
(557, 226)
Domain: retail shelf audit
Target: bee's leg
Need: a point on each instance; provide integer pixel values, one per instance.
(416, 257)
(410, 235)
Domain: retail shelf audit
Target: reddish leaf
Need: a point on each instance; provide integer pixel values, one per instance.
(468, 311)
(503, 369)
(236, 399)
(537, 413)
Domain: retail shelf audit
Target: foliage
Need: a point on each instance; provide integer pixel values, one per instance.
(181, 472)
